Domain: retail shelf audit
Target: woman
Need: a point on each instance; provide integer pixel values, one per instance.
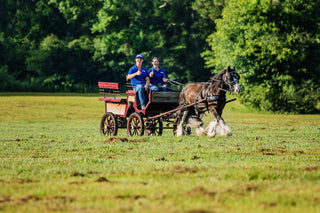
(158, 76)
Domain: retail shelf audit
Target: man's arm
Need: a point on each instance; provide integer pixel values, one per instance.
(147, 83)
(130, 76)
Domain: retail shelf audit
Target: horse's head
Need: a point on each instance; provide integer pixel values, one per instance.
(231, 78)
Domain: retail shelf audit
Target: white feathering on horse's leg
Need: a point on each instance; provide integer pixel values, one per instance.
(211, 129)
(223, 129)
(179, 129)
(196, 122)
(180, 126)
(201, 131)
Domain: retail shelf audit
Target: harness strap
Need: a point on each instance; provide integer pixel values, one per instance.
(207, 96)
(214, 98)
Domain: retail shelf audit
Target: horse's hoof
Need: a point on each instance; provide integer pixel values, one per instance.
(202, 134)
(229, 134)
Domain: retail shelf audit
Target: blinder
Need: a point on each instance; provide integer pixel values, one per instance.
(231, 78)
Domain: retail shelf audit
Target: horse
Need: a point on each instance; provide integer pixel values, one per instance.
(203, 97)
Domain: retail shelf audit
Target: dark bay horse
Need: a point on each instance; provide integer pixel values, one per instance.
(208, 96)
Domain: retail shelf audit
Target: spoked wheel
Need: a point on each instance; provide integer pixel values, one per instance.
(135, 125)
(108, 125)
(154, 127)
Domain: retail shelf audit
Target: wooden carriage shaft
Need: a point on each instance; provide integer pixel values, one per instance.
(183, 107)
(174, 110)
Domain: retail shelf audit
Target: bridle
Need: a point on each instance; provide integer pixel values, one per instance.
(230, 79)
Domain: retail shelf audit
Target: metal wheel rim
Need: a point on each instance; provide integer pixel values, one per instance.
(135, 125)
(108, 125)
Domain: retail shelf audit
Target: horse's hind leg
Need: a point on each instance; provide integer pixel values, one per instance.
(201, 131)
(195, 122)
(179, 131)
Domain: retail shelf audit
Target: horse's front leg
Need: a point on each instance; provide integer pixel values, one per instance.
(211, 129)
(217, 125)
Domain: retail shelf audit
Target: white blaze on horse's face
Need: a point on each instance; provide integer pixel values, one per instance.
(232, 79)
(236, 86)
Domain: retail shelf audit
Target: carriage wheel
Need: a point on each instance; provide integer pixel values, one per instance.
(108, 124)
(154, 127)
(135, 125)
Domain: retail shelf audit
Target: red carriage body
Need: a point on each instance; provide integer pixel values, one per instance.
(126, 112)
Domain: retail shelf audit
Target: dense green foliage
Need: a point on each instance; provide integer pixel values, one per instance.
(276, 47)
(69, 45)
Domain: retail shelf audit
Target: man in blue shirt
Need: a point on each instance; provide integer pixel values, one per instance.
(140, 80)
(158, 76)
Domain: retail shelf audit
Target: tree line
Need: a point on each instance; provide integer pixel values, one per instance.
(69, 45)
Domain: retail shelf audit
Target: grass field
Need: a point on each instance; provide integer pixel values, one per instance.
(53, 159)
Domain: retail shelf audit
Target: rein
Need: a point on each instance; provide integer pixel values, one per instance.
(175, 83)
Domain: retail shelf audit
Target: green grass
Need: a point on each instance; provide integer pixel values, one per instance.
(53, 159)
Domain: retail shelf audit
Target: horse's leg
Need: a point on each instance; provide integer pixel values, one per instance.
(195, 122)
(218, 125)
(223, 129)
(200, 130)
(211, 129)
(180, 126)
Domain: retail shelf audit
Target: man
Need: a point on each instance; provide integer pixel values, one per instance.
(140, 80)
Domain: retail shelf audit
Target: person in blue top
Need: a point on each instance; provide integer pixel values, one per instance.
(140, 80)
(158, 76)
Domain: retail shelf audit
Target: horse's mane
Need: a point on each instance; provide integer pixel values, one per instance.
(219, 75)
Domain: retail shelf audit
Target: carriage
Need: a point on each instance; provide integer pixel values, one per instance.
(126, 112)
(179, 111)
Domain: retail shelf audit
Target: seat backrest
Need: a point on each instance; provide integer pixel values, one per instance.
(107, 87)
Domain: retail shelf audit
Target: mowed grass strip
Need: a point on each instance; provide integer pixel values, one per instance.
(53, 159)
